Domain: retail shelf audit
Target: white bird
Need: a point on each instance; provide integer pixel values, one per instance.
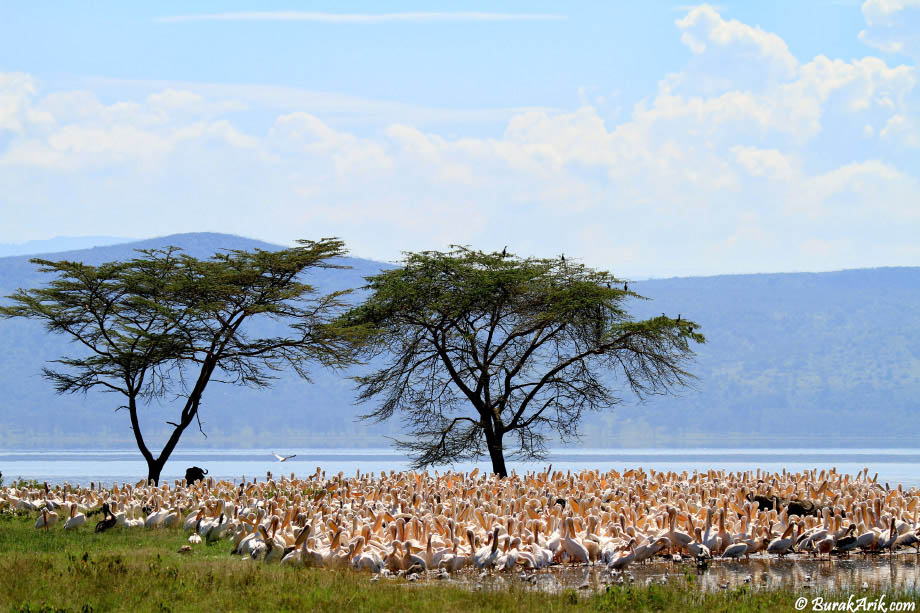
(46, 519)
(572, 546)
(76, 519)
(485, 557)
(295, 555)
(217, 529)
(735, 550)
(193, 519)
(366, 559)
(626, 557)
(282, 458)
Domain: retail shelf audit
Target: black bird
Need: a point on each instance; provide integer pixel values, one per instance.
(608, 284)
(563, 257)
(678, 318)
(505, 251)
(691, 329)
(626, 287)
(846, 542)
(108, 519)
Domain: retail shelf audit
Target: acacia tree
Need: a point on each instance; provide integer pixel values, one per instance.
(165, 323)
(479, 348)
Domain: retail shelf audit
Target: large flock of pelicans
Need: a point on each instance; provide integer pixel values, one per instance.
(408, 523)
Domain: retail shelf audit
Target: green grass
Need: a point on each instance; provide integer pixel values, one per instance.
(139, 570)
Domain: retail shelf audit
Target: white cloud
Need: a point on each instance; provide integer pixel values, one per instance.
(174, 100)
(864, 191)
(16, 111)
(302, 133)
(902, 129)
(767, 162)
(736, 49)
(363, 18)
(333, 106)
(893, 26)
(78, 131)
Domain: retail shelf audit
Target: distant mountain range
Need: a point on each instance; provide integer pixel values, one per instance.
(59, 243)
(792, 360)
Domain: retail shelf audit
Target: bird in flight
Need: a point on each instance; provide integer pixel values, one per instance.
(282, 458)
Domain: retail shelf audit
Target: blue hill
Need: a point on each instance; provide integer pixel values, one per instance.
(793, 359)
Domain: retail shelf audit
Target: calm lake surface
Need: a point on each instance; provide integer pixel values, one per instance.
(83, 466)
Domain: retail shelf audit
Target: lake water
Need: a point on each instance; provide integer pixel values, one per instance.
(83, 466)
(852, 574)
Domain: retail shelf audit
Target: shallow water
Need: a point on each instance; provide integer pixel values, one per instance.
(108, 466)
(878, 572)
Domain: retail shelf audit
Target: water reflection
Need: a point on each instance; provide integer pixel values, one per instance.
(876, 572)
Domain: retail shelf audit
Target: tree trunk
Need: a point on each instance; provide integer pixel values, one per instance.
(154, 468)
(494, 442)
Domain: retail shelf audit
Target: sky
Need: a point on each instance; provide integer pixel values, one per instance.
(645, 138)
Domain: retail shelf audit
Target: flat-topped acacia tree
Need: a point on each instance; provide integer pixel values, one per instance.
(482, 347)
(164, 324)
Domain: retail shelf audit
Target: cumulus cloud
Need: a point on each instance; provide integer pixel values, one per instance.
(748, 158)
(893, 26)
(78, 132)
(350, 156)
(734, 49)
(16, 111)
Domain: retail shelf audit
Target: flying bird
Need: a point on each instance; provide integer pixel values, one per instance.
(282, 458)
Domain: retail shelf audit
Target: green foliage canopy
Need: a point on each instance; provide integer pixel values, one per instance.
(165, 323)
(479, 345)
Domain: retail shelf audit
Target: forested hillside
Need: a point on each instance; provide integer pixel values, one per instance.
(801, 359)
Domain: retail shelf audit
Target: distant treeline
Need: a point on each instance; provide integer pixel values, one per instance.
(798, 360)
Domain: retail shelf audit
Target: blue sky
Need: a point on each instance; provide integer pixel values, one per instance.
(652, 139)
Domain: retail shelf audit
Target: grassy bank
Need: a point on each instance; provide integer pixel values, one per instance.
(138, 570)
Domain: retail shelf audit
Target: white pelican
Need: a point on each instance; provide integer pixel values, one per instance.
(366, 559)
(574, 549)
(191, 521)
(649, 549)
(155, 519)
(625, 558)
(735, 550)
(486, 556)
(782, 545)
(295, 557)
(410, 559)
(76, 519)
(46, 519)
